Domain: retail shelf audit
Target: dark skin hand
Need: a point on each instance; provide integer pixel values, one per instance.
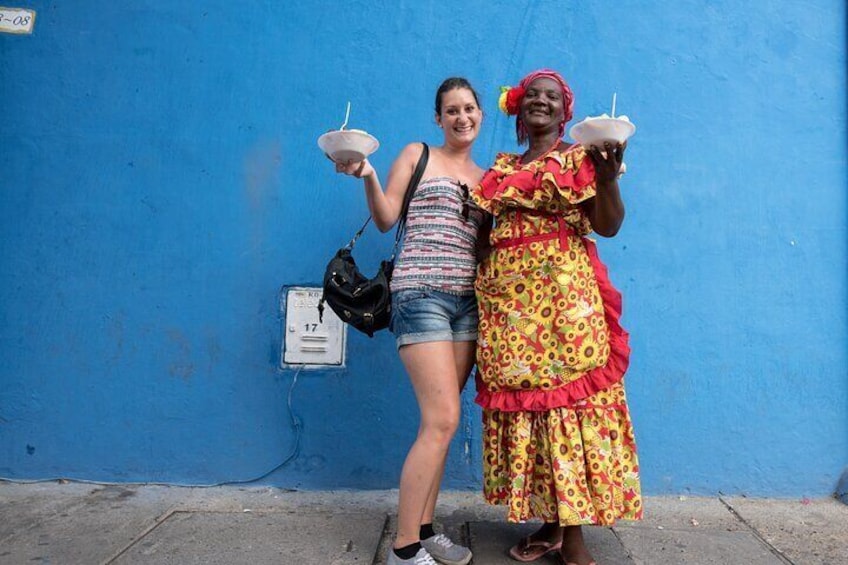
(606, 210)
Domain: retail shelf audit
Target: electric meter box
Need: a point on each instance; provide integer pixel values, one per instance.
(308, 340)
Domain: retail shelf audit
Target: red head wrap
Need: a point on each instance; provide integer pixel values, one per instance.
(567, 100)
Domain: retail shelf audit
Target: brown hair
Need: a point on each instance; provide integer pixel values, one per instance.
(453, 83)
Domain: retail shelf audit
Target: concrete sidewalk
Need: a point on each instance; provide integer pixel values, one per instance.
(74, 523)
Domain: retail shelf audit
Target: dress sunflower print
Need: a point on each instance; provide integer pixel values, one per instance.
(558, 440)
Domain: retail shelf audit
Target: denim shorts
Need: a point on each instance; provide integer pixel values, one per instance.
(421, 315)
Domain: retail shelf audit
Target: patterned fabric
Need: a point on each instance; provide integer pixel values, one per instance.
(551, 353)
(439, 244)
(549, 331)
(572, 465)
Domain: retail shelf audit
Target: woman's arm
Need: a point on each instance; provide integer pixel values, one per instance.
(385, 207)
(606, 210)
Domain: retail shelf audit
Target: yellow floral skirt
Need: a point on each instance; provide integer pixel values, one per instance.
(575, 465)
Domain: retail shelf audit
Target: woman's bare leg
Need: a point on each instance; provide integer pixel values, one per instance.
(432, 369)
(463, 352)
(574, 550)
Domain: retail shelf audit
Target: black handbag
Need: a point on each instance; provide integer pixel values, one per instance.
(366, 304)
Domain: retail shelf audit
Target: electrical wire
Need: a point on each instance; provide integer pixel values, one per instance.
(295, 423)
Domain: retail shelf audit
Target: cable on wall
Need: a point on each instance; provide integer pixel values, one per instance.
(295, 424)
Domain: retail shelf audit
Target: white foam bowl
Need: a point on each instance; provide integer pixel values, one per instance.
(349, 145)
(596, 131)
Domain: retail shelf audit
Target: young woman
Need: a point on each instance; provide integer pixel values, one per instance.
(434, 311)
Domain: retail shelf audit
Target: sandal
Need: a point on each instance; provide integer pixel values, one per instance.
(530, 550)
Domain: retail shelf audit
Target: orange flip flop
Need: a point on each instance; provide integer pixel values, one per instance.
(530, 550)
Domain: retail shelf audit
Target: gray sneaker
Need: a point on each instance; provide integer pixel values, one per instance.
(421, 558)
(445, 551)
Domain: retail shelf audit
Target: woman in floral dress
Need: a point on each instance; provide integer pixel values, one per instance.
(557, 437)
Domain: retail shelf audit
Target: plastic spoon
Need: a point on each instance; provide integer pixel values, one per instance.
(347, 115)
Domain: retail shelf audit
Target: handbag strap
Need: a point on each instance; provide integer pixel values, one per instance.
(407, 198)
(351, 243)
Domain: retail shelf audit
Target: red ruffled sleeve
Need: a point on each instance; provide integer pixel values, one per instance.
(569, 174)
(486, 193)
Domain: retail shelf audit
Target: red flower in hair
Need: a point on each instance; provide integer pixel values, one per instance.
(513, 99)
(510, 99)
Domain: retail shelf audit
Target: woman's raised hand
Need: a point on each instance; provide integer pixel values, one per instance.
(358, 169)
(607, 162)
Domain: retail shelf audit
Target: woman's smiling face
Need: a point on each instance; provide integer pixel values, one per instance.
(460, 116)
(542, 106)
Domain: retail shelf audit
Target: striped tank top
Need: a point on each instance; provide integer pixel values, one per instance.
(439, 244)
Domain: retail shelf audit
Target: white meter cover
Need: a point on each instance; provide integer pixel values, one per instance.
(307, 339)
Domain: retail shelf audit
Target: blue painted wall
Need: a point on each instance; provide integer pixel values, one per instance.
(160, 182)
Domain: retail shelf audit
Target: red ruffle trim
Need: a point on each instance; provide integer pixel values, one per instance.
(593, 381)
(495, 182)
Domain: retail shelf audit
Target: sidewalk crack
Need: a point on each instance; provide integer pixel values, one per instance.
(385, 540)
(777, 553)
(158, 522)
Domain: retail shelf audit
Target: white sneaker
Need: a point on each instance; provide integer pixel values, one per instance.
(420, 558)
(445, 551)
